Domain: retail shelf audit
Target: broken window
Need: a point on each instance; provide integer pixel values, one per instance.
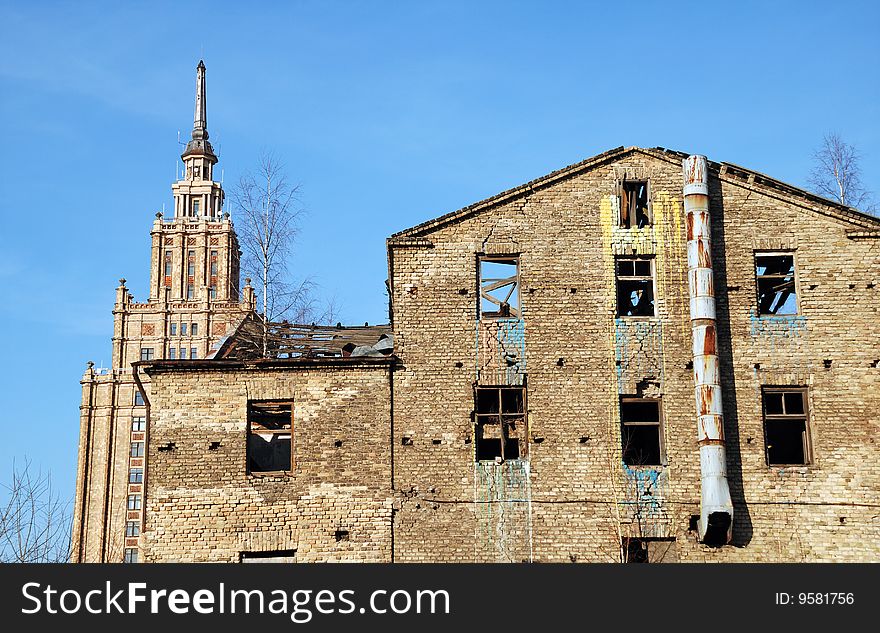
(641, 433)
(499, 287)
(134, 502)
(136, 475)
(649, 550)
(131, 555)
(635, 286)
(500, 423)
(138, 423)
(132, 529)
(138, 399)
(137, 449)
(277, 556)
(270, 426)
(635, 211)
(776, 283)
(786, 432)
(146, 353)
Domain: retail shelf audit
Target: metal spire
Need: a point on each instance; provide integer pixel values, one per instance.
(200, 124)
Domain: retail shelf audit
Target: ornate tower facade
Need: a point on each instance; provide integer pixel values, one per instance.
(194, 301)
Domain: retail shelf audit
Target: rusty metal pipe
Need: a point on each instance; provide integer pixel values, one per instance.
(716, 508)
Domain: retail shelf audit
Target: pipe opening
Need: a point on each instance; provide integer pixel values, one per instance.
(717, 528)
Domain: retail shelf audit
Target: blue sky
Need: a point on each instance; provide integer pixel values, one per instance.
(386, 114)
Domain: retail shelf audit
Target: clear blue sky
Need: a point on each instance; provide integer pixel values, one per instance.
(386, 114)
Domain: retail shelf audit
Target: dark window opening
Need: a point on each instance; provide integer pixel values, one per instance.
(641, 432)
(649, 550)
(270, 426)
(635, 287)
(499, 287)
(342, 535)
(786, 432)
(635, 210)
(775, 276)
(277, 556)
(500, 428)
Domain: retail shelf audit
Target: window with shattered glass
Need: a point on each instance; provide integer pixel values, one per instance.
(635, 287)
(635, 211)
(500, 418)
(776, 283)
(270, 429)
(499, 287)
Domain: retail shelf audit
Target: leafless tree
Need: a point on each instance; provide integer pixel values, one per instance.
(35, 521)
(268, 223)
(837, 173)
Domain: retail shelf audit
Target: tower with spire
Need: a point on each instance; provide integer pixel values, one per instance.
(194, 301)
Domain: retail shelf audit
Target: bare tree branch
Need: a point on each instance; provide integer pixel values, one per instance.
(35, 521)
(837, 174)
(268, 222)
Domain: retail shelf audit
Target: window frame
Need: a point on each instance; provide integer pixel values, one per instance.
(139, 420)
(290, 432)
(137, 449)
(130, 555)
(804, 391)
(134, 502)
(132, 529)
(479, 419)
(515, 312)
(147, 353)
(138, 399)
(136, 475)
(796, 282)
(621, 197)
(660, 424)
(651, 259)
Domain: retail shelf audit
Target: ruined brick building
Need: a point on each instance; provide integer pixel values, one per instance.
(645, 356)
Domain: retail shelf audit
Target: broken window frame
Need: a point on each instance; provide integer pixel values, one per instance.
(795, 289)
(504, 419)
(495, 284)
(635, 278)
(251, 405)
(661, 448)
(787, 418)
(624, 219)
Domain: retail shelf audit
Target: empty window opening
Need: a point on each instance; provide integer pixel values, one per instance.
(635, 287)
(270, 426)
(170, 446)
(499, 287)
(648, 550)
(277, 556)
(131, 555)
(635, 209)
(641, 433)
(134, 502)
(500, 423)
(775, 276)
(342, 535)
(213, 446)
(137, 449)
(406, 440)
(138, 423)
(136, 476)
(338, 443)
(786, 432)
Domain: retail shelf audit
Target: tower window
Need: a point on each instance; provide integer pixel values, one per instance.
(194, 330)
(635, 287)
(190, 291)
(183, 329)
(191, 265)
(174, 329)
(786, 432)
(169, 260)
(197, 204)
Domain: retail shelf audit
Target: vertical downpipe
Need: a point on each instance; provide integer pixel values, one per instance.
(716, 508)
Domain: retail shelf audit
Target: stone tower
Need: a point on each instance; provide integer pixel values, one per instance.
(194, 301)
